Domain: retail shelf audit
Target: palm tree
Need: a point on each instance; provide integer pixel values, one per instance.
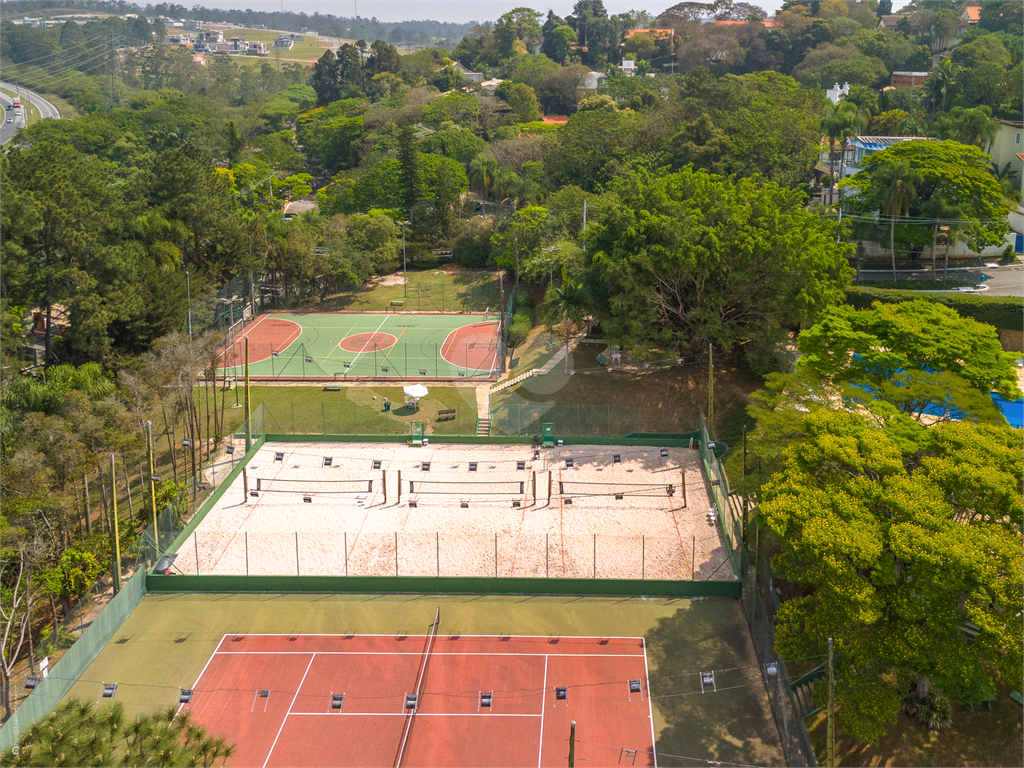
(865, 99)
(976, 126)
(841, 122)
(1007, 178)
(940, 84)
(895, 188)
(565, 306)
(941, 209)
(850, 127)
(481, 172)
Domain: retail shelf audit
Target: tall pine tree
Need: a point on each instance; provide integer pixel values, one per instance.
(410, 173)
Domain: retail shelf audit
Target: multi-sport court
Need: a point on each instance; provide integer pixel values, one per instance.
(427, 700)
(376, 345)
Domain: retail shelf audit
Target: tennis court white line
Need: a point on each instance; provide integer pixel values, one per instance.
(543, 706)
(196, 683)
(404, 653)
(418, 714)
(567, 638)
(285, 720)
(650, 712)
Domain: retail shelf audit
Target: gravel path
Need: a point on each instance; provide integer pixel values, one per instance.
(496, 520)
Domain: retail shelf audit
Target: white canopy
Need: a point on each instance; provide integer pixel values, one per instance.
(416, 390)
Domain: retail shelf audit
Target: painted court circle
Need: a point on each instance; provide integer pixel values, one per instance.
(367, 342)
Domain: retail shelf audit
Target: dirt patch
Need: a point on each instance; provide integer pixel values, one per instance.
(1012, 341)
(395, 279)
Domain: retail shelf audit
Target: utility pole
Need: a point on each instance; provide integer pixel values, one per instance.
(830, 759)
(248, 402)
(711, 391)
(188, 302)
(116, 570)
(405, 272)
(152, 484)
(584, 222)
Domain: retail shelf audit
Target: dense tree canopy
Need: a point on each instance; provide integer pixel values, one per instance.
(880, 529)
(689, 258)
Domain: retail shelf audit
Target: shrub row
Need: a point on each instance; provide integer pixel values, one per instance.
(1000, 311)
(522, 320)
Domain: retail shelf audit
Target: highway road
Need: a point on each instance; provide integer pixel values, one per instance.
(46, 111)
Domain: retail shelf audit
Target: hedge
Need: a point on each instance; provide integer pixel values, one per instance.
(1000, 311)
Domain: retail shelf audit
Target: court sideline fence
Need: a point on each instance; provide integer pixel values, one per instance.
(401, 361)
(760, 604)
(229, 307)
(349, 418)
(171, 521)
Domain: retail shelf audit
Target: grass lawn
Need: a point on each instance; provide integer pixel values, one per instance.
(447, 289)
(354, 410)
(539, 347)
(658, 400)
(979, 738)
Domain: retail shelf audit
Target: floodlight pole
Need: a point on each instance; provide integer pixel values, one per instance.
(188, 301)
(572, 744)
(830, 759)
(152, 484)
(405, 272)
(116, 571)
(248, 402)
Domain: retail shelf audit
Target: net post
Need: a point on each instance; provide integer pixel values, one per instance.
(684, 488)
(399, 486)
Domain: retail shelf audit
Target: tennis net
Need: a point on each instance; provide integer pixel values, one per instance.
(312, 487)
(413, 705)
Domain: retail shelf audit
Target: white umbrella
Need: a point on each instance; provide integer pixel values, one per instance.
(416, 390)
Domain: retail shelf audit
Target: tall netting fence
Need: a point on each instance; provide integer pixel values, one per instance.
(760, 603)
(592, 420)
(137, 556)
(224, 309)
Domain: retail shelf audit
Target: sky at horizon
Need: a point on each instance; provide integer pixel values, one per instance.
(459, 11)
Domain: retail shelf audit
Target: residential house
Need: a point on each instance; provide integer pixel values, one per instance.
(971, 15)
(591, 82)
(857, 148)
(1007, 147)
(890, 20)
(473, 77)
(656, 33)
(255, 48)
(836, 92)
(491, 85)
(769, 23)
(213, 36)
(628, 67)
(284, 43)
(912, 79)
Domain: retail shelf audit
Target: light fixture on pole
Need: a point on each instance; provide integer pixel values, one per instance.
(405, 273)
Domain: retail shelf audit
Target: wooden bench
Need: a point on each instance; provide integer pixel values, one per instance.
(332, 388)
(447, 414)
(1015, 695)
(987, 702)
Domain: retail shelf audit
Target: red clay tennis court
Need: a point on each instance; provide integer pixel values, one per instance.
(421, 700)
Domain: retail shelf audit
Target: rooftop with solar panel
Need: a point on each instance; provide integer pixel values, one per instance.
(457, 510)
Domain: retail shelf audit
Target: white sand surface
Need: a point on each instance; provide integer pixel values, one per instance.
(358, 522)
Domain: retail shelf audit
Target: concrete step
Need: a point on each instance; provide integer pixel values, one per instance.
(483, 427)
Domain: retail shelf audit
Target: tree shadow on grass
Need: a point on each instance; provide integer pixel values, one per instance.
(733, 724)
